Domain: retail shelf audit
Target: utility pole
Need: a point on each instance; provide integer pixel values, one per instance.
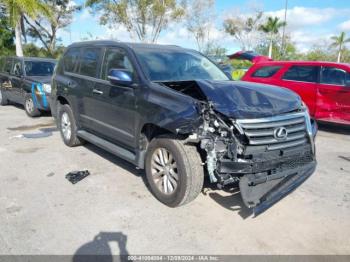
(284, 29)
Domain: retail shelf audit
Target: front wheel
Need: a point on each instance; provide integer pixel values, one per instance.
(30, 107)
(174, 171)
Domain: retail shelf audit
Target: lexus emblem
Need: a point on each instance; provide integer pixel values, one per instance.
(280, 133)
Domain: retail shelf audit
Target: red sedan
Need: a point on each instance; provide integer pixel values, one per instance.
(323, 86)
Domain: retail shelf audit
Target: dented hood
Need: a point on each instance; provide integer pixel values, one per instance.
(238, 99)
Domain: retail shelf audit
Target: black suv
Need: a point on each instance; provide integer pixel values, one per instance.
(174, 113)
(26, 81)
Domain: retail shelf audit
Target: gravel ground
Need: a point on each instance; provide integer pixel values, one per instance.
(112, 211)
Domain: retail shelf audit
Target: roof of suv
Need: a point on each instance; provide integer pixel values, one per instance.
(126, 44)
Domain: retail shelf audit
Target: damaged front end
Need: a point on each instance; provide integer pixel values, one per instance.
(268, 157)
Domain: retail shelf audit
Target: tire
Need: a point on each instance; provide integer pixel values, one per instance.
(29, 106)
(67, 125)
(3, 99)
(188, 170)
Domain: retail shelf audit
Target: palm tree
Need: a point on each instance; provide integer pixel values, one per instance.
(17, 9)
(339, 42)
(271, 28)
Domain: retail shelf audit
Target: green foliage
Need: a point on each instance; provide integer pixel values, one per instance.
(35, 51)
(145, 18)
(44, 28)
(7, 46)
(272, 26)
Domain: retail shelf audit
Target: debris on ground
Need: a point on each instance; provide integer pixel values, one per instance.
(75, 176)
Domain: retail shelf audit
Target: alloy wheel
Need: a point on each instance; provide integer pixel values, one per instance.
(66, 126)
(164, 171)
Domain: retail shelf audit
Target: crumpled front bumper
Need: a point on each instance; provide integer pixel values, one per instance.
(261, 191)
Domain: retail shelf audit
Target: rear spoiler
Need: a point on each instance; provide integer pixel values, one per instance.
(250, 56)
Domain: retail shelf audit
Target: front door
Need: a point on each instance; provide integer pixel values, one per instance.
(113, 106)
(333, 98)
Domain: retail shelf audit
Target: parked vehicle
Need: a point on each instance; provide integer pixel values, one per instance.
(323, 86)
(26, 81)
(174, 113)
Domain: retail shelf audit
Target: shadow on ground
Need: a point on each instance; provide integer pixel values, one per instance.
(233, 201)
(334, 128)
(99, 248)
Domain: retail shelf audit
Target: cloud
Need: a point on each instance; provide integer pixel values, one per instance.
(345, 26)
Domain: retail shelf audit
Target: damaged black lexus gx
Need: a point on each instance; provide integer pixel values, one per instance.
(174, 113)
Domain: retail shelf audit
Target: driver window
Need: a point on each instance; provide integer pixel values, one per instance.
(17, 68)
(115, 59)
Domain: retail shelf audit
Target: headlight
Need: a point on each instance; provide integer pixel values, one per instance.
(47, 88)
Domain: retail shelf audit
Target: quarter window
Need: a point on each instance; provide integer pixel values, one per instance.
(89, 62)
(266, 71)
(334, 76)
(302, 74)
(115, 59)
(17, 68)
(71, 60)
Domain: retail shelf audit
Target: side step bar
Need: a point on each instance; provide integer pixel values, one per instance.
(108, 146)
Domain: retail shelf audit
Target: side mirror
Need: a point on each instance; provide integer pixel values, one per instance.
(120, 77)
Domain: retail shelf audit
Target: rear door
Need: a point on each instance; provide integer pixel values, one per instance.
(333, 97)
(112, 107)
(302, 79)
(17, 81)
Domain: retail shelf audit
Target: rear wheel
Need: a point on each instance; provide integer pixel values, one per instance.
(67, 126)
(174, 171)
(30, 107)
(3, 99)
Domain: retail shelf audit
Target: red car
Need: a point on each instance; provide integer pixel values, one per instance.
(323, 86)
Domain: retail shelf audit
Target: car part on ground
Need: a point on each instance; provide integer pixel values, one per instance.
(76, 176)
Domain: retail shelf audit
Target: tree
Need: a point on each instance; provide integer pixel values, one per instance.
(6, 34)
(271, 28)
(199, 17)
(244, 29)
(17, 9)
(145, 19)
(45, 28)
(339, 42)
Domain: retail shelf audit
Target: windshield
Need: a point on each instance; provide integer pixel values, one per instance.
(177, 65)
(39, 68)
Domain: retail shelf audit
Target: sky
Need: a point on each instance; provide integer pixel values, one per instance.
(309, 23)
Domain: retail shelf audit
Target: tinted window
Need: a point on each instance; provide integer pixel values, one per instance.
(39, 68)
(266, 71)
(115, 59)
(333, 76)
(17, 68)
(8, 65)
(177, 65)
(71, 60)
(89, 61)
(302, 73)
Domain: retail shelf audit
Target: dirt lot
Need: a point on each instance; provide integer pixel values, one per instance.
(112, 209)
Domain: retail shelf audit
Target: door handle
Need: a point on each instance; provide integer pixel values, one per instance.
(97, 92)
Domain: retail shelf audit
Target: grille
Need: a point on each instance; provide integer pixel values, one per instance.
(262, 131)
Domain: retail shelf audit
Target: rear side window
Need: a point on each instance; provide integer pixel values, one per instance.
(266, 71)
(89, 62)
(334, 76)
(8, 65)
(302, 74)
(2, 64)
(71, 60)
